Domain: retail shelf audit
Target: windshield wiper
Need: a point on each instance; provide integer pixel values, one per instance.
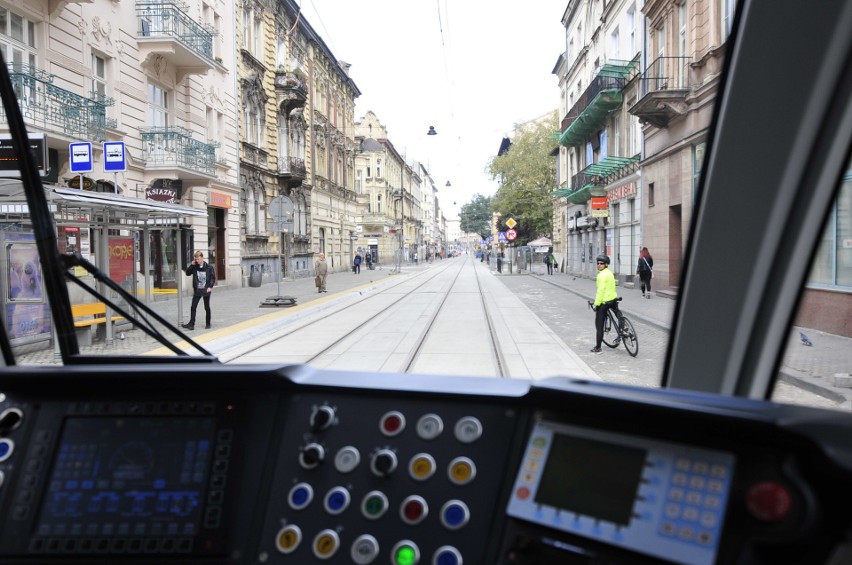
(140, 310)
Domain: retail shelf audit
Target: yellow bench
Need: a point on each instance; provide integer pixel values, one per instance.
(87, 318)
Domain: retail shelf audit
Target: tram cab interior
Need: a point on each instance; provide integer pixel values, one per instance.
(291, 464)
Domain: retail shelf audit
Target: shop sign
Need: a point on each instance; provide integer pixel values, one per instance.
(599, 203)
(219, 200)
(621, 192)
(165, 190)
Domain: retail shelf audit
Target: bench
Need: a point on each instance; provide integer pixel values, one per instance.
(87, 318)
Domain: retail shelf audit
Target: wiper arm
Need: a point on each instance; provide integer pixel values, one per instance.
(139, 309)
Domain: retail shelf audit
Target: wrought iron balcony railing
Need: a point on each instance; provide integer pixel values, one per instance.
(51, 108)
(665, 73)
(291, 166)
(175, 147)
(170, 20)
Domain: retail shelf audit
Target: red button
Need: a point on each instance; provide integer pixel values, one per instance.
(413, 510)
(769, 501)
(392, 424)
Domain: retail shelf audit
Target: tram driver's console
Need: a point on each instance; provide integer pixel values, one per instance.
(291, 465)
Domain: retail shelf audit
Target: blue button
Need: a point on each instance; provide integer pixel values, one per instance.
(300, 496)
(447, 557)
(5, 448)
(336, 501)
(454, 515)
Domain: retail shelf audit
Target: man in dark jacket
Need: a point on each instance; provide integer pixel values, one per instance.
(203, 279)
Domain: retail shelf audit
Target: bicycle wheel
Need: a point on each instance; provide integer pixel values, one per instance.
(629, 337)
(610, 334)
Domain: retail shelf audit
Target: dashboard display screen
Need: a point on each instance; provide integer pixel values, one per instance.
(128, 477)
(591, 478)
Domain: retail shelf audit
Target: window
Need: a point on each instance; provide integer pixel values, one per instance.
(631, 30)
(98, 76)
(252, 33)
(728, 7)
(650, 195)
(17, 38)
(681, 40)
(614, 44)
(255, 126)
(832, 266)
(158, 106)
(378, 168)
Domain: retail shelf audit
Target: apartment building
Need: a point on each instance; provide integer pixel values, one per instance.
(153, 80)
(597, 198)
(297, 145)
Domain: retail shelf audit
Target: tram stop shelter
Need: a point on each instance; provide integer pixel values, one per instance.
(106, 228)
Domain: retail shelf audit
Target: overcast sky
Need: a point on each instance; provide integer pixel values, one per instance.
(470, 68)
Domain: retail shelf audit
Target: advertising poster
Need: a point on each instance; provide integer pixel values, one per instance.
(121, 259)
(27, 316)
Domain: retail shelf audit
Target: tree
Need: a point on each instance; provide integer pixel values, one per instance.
(476, 216)
(527, 175)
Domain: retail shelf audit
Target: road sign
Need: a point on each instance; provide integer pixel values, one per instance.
(501, 236)
(511, 235)
(511, 223)
(114, 157)
(81, 157)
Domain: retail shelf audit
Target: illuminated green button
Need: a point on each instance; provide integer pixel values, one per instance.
(405, 553)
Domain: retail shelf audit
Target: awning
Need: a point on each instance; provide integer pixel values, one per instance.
(117, 206)
(609, 165)
(592, 118)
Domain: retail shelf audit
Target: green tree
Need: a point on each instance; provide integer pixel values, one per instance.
(527, 176)
(476, 216)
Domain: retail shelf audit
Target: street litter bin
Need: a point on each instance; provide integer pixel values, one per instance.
(255, 277)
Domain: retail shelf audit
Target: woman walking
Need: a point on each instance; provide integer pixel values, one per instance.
(645, 270)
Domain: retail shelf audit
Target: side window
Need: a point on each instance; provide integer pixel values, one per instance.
(819, 345)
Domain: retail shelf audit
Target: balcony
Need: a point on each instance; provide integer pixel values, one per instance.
(172, 151)
(290, 91)
(165, 29)
(590, 112)
(663, 89)
(596, 176)
(291, 170)
(56, 110)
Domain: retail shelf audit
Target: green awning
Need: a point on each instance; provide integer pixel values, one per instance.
(582, 195)
(562, 192)
(618, 69)
(609, 165)
(592, 118)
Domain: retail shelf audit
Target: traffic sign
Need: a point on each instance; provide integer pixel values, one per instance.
(114, 159)
(511, 223)
(81, 157)
(501, 236)
(511, 235)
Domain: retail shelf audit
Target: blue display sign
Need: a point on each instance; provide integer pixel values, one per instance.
(114, 157)
(80, 157)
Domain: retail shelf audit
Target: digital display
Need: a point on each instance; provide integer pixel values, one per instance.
(591, 478)
(128, 477)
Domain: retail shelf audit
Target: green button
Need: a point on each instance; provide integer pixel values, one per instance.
(405, 556)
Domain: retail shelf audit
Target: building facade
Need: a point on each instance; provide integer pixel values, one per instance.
(597, 200)
(297, 145)
(156, 77)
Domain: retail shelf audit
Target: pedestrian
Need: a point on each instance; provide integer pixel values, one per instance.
(645, 270)
(321, 272)
(605, 298)
(356, 268)
(549, 260)
(370, 260)
(203, 278)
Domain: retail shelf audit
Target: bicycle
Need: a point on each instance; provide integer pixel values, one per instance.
(623, 330)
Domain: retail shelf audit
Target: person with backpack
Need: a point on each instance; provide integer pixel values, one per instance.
(356, 267)
(550, 261)
(645, 270)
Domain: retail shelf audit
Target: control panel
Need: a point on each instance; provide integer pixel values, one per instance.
(263, 466)
(391, 480)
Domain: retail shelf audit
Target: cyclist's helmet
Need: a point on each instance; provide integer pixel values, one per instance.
(602, 259)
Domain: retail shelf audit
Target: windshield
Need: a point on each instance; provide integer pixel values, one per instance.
(278, 182)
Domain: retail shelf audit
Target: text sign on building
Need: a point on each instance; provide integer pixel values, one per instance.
(9, 164)
(114, 157)
(80, 157)
(219, 200)
(624, 191)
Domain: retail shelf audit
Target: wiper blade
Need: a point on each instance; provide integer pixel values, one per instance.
(140, 310)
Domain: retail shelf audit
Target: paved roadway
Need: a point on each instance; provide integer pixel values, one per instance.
(559, 301)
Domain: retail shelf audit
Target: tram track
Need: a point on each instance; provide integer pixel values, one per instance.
(404, 318)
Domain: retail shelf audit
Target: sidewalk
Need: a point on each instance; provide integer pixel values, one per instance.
(230, 306)
(811, 368)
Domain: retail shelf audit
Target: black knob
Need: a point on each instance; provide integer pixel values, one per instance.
(10, 419)
(321, 417)
(311, 456)
(383, 463)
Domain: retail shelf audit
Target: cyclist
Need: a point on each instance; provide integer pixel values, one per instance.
(605, 298)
